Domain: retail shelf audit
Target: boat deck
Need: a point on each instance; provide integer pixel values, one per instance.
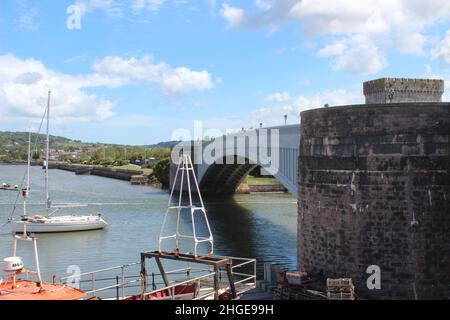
(28, 290)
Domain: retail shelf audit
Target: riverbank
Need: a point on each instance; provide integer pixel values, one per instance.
(136, 177)
(143, 176)
(264, 184)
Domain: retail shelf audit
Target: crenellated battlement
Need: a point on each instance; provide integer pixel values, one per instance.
(398, 90)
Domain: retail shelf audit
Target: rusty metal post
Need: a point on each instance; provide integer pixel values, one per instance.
(216, 282)
(143, 276)
(231, 280)
(162, 271)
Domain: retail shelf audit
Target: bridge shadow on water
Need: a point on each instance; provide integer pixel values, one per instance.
(243, 232)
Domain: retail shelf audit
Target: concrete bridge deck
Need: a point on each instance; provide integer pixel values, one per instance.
(222, 164)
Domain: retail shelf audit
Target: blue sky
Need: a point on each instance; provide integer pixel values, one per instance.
(136, 70)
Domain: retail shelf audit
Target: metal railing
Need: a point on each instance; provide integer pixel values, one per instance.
(120, 278)
(244, 281)
(89, 281)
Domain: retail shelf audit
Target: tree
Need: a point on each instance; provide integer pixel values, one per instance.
(161, 171)
(64, 158)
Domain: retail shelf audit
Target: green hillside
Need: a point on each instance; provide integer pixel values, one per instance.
(13, 147)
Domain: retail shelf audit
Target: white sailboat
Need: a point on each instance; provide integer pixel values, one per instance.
(16, 284)
(46, 223)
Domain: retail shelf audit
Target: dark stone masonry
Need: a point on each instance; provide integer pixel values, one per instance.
(400, 90)
(375, 190)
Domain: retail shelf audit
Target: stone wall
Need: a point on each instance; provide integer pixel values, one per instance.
(97, 171)
(375, 190)
(399, 90)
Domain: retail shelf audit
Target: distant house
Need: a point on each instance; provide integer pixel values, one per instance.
(90, 149)
(150, 162)
(137, 162)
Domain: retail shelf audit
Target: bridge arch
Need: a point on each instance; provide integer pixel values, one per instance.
(224, 177)
(243, 151)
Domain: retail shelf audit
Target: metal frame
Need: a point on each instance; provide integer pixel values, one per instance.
(213, 261)
(33, 240)
(186, 168)
(102, 282)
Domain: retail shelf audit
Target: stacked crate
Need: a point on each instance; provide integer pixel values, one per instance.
(340, 289)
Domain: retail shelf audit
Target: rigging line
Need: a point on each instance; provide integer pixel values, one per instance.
(39, 130)
(15, 203)
(24, 176)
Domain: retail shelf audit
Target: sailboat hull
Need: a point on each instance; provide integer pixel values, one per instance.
(60, 224)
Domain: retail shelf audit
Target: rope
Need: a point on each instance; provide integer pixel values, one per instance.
(24, 175)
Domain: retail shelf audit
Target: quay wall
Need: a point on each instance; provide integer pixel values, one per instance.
(374, 190)
(125, 175)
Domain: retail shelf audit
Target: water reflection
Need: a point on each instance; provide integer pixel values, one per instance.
(261, 226)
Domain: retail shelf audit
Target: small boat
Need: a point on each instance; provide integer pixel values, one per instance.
(46, 223)
(9, 187)
(43, 224)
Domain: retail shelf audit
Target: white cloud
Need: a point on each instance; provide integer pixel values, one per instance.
(347, 26)
(333, 49)
(27, 19)
(23, 93)
(344, 16)
(172, 80)
(286, 104)
(429, 74)
(149, 5)
(112, 7)
(235, 16)
(279, 97)
(363, 60)
(24, 84)
(442, 50)
(265, 4)
(411, 43)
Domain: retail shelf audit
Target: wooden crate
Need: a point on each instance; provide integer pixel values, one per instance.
(340, 289)
(345, 282)
(341, 296)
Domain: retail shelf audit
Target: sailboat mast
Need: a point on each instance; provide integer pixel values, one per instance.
(29, 161)
(26, 190)
(47, 197)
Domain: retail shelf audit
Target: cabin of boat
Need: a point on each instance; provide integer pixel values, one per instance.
(9, 187)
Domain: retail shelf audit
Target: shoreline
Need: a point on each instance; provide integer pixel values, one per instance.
(138, 177)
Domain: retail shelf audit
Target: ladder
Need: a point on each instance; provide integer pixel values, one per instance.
(179, 204)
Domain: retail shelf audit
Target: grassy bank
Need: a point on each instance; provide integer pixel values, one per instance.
(262, 181)
(146, 171)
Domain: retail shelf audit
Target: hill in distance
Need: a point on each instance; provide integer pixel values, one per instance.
(19, 140)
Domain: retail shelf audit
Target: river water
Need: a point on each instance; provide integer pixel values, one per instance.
(261, 226)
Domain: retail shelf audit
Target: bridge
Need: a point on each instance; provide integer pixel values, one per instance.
(222, 164)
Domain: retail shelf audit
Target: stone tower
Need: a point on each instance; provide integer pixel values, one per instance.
(401, 90)
(374, 190)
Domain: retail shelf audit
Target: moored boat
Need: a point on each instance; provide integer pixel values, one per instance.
(9, 187)
(42, 224)
(46, 223)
